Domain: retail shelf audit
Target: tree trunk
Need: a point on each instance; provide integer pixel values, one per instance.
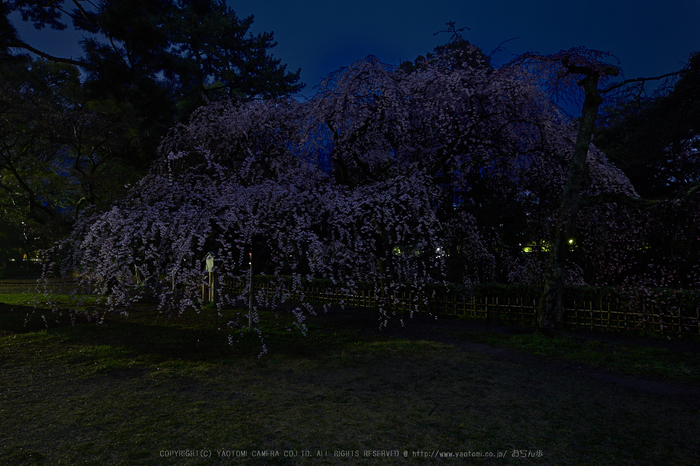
(551, 309)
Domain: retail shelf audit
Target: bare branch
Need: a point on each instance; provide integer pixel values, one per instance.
(499, 46)
(693, 190)
(636, 80)
(23, 45)
(80, 8)
(456, 33)
(618, 198)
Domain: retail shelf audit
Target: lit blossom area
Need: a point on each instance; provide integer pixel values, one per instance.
(446, 170)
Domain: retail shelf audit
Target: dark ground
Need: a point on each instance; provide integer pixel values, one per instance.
(444, 329)
(422, 327)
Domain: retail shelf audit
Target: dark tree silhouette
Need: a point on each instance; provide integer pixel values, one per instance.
(565, 71)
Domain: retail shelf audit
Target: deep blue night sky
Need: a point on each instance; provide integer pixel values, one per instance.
(649, 37)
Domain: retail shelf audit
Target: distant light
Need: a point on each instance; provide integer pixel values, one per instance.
(571, 241)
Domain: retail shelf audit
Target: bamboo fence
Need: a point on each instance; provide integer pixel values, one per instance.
(601, 315)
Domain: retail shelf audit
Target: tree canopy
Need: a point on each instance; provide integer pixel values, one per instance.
(77, 131)
(59, 152)
(182, 49)
(655, 140)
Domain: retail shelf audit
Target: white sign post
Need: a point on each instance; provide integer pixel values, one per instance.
(209, 264)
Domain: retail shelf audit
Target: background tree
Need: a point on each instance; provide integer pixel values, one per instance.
(178, 50)
(75, 140)
(562, 71)
(59, 152)
(160, 54)
(655, 140)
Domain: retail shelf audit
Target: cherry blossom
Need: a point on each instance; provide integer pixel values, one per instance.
(381, 177)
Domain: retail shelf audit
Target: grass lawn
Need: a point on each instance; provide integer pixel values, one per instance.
(146, 389)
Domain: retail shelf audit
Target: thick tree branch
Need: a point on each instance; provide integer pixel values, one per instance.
(619, 198)
(23, 45)
(637, 202)
(637, 80)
